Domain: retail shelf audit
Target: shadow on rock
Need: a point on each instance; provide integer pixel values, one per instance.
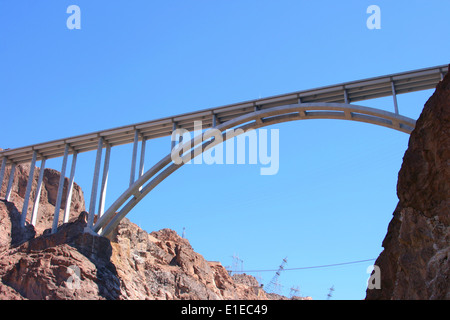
(69, 264)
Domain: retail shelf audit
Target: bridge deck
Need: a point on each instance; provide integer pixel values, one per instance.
(347, 92)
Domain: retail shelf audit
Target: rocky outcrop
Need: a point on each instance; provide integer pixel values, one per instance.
(69, 264)
(11, 234)
(415, 261)
(131, 264)
(162, 265)
(48, 195)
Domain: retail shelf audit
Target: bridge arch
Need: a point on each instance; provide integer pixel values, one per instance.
(260, 118)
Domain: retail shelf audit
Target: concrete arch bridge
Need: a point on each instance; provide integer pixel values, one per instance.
(330, 102)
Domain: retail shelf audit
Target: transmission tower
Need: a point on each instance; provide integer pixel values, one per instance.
(238, 264)
(330, 293)
(294, 291)
(258, 278)
(274, 286)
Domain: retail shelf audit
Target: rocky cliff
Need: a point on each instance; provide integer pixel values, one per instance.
(415, 261)
(49, 192)
(133, 264)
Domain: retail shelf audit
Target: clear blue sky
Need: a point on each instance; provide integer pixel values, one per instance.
(134, 61)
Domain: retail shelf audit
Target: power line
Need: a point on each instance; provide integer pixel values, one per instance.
(311, 267)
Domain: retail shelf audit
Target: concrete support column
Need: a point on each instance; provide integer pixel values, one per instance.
(174, 127)
(134, 156)
(347, 101)
(2, 172)
(214, 120)
(10, 182)
(28, 190)
(38, 193)
(142, 160)
(95, 179)
(394, 95)
(60, 189)
(101, 202)
(70, 187)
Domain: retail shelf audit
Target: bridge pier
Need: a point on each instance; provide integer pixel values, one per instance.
(134, 157)
(101, 202)
(173, 138)
(95, 179)
(60, 189)
(174, 127)
(2, 172)
(38, 193)
(10, 182)
(142, 159)
(394, 96)
(28, 190)
(70, 188)
(346, 99)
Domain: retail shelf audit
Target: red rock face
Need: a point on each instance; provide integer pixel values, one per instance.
(69, 264)
(48, 195)
(132, 264)
(415, 261)
(162, 265)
